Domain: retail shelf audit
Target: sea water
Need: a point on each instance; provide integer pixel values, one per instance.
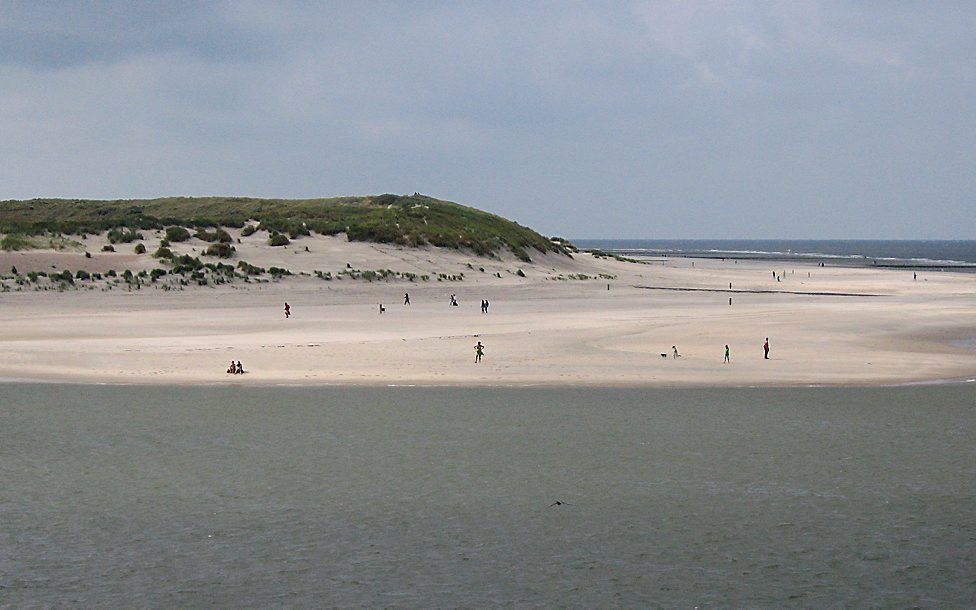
(156, 496)
(955, 255)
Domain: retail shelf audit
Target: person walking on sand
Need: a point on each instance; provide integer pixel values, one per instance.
(728, 359)
(487, 304)
(287, 310)
(479, 351)
(406, 298)
(766, 349)
(674, 352)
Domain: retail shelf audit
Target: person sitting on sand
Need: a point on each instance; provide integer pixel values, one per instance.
(479, 351)
(232, 368)
(240, 368)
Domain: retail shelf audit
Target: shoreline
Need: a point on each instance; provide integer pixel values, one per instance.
(956, 381)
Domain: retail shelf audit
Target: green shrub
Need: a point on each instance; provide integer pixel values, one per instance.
(223, 236)
(123, 235)
(164, 243)
(177, 234)
(204, 235)
(108, 248)
(157, 273)
(278, 271)
(520, 273)
(278, 239)
(296, 231)
(14, 241)
(182, 264)
(82, 275)
(163, 252)
(249, 269)
(248, 230)
(221, 249)
(13, 269)
(140, 248)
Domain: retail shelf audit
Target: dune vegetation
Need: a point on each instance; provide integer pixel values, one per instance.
(414, 220)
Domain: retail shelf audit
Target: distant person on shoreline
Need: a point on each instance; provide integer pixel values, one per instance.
(479, 351)
(382, 309)
(454, 301)
(674, 352)
(766, 349)
(406, 298)
(287, 310)
(240, 368)
(914, 275)
(232, 369)
(728, 359)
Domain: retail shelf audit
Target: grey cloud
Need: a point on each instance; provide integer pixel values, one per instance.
(685, 119)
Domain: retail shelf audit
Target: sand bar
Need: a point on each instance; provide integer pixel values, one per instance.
(827, 326)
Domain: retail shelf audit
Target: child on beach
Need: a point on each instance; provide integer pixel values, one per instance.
(479, 351)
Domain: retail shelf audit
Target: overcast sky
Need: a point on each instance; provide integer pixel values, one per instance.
(620, 119)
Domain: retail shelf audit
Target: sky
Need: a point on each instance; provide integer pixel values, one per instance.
(687, 119)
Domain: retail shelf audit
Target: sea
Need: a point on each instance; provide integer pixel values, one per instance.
(959, 255)
(123, 496)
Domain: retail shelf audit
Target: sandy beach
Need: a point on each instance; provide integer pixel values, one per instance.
(826, 326)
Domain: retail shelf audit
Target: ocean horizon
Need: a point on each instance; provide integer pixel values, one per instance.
(955, 255)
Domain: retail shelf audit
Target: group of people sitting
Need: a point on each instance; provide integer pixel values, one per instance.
(235, 369)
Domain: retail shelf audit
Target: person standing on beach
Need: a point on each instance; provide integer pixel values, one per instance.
(287, 310)
(406, 298)
(728, 359)
(766, 349)
(674, 352)
(479, 351)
